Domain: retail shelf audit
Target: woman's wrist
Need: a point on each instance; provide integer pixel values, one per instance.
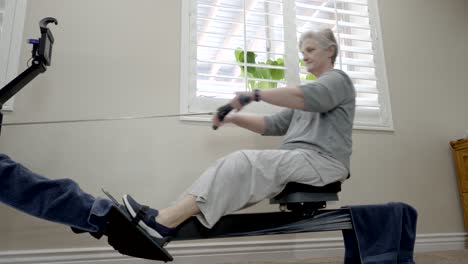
(256, 95)
(230, 118)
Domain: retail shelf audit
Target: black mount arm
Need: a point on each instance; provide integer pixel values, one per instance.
(41, 55)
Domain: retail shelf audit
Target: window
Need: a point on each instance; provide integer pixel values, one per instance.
(12, 14)
(239, 45)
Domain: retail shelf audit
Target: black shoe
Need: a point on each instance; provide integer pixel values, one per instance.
(146, 218)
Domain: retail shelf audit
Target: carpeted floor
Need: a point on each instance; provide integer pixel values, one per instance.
(442, 257)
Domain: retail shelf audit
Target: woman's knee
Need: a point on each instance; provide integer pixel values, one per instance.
(238, 159)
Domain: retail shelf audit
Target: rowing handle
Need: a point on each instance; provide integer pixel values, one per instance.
(225, 109)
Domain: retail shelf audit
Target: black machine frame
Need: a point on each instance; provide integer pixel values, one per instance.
(306, 213)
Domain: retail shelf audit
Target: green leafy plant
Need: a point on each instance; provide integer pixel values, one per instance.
(259, 72)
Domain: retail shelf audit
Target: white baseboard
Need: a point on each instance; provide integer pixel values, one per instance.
(440, 242)
(222, 252)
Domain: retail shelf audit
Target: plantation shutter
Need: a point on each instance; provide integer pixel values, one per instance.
(225, 30)
(239, 45)
(349, 19)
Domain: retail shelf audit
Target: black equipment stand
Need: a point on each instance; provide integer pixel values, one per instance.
(41, 58)
(307, 214)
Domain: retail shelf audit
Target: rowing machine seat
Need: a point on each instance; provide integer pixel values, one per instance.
(301, 197)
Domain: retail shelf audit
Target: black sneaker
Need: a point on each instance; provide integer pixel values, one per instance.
(146, 218)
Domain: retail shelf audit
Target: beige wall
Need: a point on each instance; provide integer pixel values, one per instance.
(121, 58)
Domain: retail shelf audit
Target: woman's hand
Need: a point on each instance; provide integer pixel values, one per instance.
(217, 123)
(236, 102)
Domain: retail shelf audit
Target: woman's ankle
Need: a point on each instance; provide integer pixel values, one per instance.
(164, 218)
(175, 215)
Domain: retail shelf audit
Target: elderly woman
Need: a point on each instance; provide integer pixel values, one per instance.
(316, 124)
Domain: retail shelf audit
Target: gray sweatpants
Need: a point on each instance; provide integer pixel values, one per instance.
(246, 177)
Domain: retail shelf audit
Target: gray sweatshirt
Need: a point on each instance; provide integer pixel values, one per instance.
(326, 124)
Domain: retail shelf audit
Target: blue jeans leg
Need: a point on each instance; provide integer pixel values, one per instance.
(60, 201)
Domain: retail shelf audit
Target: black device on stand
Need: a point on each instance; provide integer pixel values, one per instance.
(41, 58)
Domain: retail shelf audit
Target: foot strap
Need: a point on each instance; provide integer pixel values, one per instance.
(140, 215)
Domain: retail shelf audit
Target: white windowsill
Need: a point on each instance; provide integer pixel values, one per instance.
(208, 118)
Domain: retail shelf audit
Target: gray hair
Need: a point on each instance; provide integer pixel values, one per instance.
(325, 39)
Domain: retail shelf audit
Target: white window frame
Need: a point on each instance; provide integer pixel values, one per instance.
(380, 72)
(11, 40)
(188, 73)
